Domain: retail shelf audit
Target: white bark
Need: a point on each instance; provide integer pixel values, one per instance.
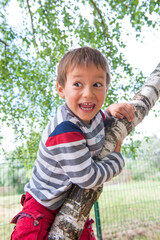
(74, 212)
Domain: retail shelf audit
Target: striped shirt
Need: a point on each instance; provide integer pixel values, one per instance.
(67, 153)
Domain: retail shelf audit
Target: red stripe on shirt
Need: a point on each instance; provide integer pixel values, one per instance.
(103, 116)
(64, 138)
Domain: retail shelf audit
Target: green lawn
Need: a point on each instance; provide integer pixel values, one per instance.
(123, 202)
(123, 207)
(129, 206)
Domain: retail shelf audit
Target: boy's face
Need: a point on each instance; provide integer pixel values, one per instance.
(84, 91)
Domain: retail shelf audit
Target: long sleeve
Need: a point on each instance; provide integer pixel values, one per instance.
(74, 157)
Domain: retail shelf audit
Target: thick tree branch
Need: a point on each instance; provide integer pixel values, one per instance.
(70, 220)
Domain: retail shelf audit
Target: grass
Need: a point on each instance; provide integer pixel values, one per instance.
(129, 207)
(126, 202)
(127, 211)
(9, 207)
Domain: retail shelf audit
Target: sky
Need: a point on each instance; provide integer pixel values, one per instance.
(141, 55)
(145, 56)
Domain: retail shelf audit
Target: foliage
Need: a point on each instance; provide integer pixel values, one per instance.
(17, 166)
(130, 150)
(26, 153)
(144, 161)
(16, 169)
(29, 54)
(14, 176)
(143, 168)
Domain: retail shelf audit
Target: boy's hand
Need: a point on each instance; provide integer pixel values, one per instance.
(121, 110)
(118, 147)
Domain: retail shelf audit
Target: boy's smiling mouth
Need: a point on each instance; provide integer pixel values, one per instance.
(87, 106)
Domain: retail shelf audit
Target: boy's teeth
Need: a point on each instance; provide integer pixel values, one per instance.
(87, 106)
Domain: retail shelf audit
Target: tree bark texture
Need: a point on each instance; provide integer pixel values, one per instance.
(70, 220)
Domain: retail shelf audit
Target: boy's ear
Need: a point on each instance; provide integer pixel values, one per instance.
(60, 90)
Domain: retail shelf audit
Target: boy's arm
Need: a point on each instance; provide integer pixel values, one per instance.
(112, 159)
(74, 157)
(121, 110)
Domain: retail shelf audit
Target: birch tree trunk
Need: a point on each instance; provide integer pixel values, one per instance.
(70, 220)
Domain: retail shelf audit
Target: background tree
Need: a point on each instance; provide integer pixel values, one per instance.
(29, 54)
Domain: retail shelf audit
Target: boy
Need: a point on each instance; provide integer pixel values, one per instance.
(71, 143)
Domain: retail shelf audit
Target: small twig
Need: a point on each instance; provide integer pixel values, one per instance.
(5, 48)
(32, 25)
(104, 26)
(6, 45)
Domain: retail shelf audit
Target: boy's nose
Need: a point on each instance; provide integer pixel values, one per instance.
(88, 92)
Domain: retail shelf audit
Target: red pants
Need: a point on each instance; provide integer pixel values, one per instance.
(35, 220)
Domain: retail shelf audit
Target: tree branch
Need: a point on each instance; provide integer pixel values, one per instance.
(32, 25)
(6, 45)
(104, 26)
(101, 17)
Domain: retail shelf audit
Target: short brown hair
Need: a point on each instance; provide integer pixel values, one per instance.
(79, 57)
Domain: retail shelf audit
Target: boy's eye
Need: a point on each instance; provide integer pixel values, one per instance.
(78, 84)
(97, 84)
